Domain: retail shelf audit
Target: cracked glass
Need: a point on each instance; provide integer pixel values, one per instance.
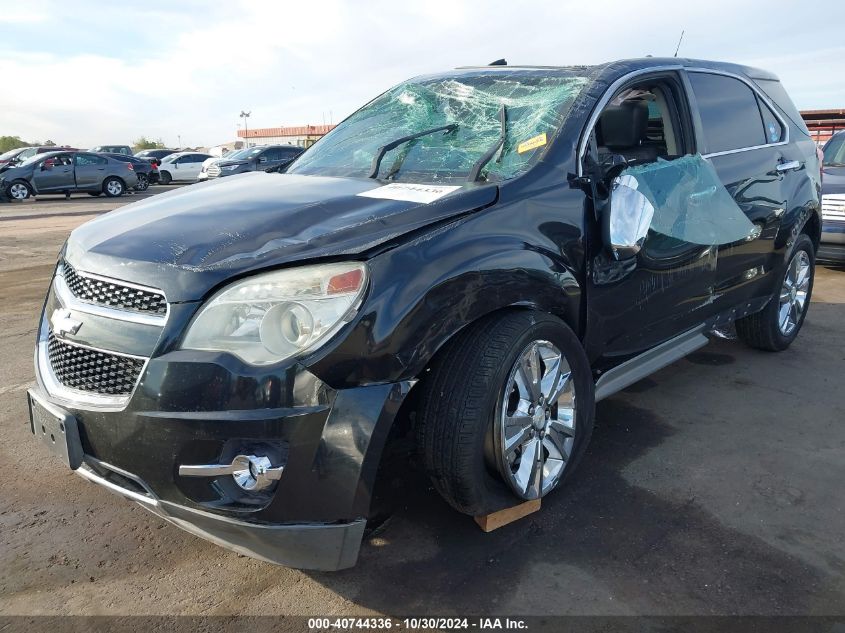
(536, 105)
(690, 202)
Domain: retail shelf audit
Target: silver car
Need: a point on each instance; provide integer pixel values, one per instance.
(66, 172)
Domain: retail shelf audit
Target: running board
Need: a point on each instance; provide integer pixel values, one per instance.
(647, 363)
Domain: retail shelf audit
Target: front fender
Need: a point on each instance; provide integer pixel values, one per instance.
(427, 290)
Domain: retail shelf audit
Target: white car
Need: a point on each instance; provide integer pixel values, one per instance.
(181, 167)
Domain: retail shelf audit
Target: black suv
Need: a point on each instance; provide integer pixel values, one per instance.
(471, 260)
(264, 158)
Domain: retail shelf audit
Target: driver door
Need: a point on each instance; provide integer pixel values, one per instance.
(54, 173)
(644, 174)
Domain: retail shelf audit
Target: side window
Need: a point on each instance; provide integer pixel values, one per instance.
(729, 112)
(834, 151)
(773, 127)
(273, 154)
(83, 160)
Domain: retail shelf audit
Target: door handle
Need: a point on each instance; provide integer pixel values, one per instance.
(789, 165)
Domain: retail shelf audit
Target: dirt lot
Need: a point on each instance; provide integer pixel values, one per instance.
(713, 487)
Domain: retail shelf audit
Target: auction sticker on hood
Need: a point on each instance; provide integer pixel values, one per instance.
(410, 192)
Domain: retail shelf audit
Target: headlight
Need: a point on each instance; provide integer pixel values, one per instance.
(230, 167)
(272, 316)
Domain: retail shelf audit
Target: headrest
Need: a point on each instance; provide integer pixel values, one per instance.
(624, 125)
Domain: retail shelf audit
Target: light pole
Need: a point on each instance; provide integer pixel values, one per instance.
(179, 140)
(245, 115)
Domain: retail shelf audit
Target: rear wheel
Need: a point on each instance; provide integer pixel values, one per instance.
(143, 183)
(113, 187)
(776, 326)
(165, 178)
(19, 190)
(506, 412)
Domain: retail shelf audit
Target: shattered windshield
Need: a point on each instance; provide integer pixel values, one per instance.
(536, 104)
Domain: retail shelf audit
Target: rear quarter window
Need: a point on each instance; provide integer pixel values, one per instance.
(775, 91)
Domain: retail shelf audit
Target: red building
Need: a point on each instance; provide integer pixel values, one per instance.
(824, 123)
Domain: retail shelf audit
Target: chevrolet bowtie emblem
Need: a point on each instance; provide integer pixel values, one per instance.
(63, 324)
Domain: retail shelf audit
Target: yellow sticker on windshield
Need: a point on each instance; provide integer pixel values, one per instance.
(532, 143)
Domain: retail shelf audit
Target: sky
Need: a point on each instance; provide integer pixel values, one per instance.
(86, 73)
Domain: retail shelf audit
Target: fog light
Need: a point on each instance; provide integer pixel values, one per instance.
(250, 472)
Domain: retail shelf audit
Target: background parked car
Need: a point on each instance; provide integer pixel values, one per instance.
(181, 167)
(265, 158)
(208, 162)
(155, 155)
(112, 149)
(64, 172)
(832, 247)
(17, 156)
(146, 171)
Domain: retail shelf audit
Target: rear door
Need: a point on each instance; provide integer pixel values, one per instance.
(747, 144)
(90, 171)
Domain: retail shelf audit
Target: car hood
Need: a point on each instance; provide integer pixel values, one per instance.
(10, 172)
(834, 180)
(188, 241)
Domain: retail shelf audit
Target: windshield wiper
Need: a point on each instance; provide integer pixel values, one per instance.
(394, 144)
(475, 172)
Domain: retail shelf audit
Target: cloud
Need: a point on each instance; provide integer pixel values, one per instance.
(93, 72)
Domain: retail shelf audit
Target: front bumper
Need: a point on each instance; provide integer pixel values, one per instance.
(324, 547)
(193, 408)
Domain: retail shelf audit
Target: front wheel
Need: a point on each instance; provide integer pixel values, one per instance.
(19, 190)
(113, 187)
(506, 412)
(776, 326)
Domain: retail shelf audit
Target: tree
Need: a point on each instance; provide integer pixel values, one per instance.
(12, 142)
(144, 143)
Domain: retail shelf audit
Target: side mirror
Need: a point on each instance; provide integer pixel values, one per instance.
(628, 220)
(262, 159)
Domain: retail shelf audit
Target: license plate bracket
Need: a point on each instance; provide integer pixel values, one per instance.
(57, 429)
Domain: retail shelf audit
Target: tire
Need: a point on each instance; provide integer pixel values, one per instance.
(165, 178)
(462, 404)
(769, 329)
(19, 190)
(113, 187)
(143, 183)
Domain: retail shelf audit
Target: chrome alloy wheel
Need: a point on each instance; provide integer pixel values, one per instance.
(114, 187)
(18, 191)
(535, 433)
(793, 293)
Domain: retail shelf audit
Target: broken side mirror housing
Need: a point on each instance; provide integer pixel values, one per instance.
(629, 217)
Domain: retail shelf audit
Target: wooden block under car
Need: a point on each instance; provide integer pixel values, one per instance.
(495, 520)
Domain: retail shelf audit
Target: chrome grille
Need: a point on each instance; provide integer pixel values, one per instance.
(113, 294)
(93, 370)
(833, 207)
(213, 171)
